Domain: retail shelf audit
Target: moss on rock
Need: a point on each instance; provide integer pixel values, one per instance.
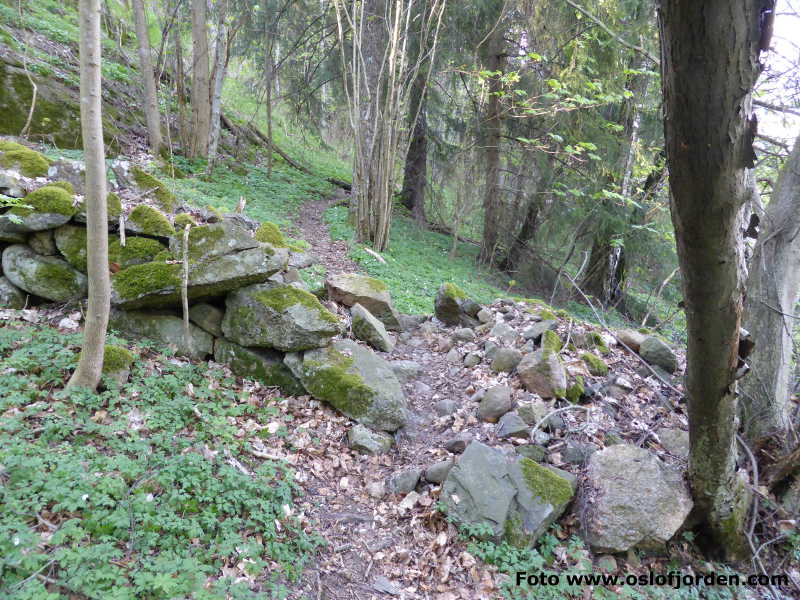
(136, 251)
(451, 290)
(184, 219)
(29, 162)
(281, 298)
(145, 181)
(151, 221)
(551, 342)
(140, 280)
(270, 233)
(575, 391)
(545, 484)
(116, 358)
(113, 205)
(47, 199)
(596, 365)
(64, 185)
(71, 242)
(597, 341)
(332, 383)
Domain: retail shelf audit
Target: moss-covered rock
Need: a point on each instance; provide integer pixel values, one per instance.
(353, 288)
(117, 363)
(43, 242)
(278, 316)
(355, 381)
(148, 284)
(167, 329)
(576, 391)
(64, 185)
(215, 239)
(44, 276)
(542, 373)
(146, 182)
(453, 307)
(45, 208)
(136, 251)
(595, 364)
(263, 365)
(28, 162)
(551, 342)
(11, 296)
(369, 329)
(657, 352)
(71, 242)
(113, 209)
(271, 234)
(182, 220)
(147, 220)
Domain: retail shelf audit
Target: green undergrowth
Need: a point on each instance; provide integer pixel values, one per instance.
(133, 493)
(417, 263)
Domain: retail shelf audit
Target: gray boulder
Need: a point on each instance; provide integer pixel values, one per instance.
(364, 441)
(542, 373)
(355, 381)
(213, 240)
(352, 288)
(515, 498)
(43, 242)
(656, 352)
(506, 360)
(632, 500)
(261, 364)
(278, 316)
(438, 471)
(511, 425)
(369, 329)
(166, 329)
(631, 338)
(10, 295)
(404, 481)
(535, 331)
(45, 276)
(504, 332)
(453, 307)
(675, 441)
(496, 402)
(405, 369)
(207, 317)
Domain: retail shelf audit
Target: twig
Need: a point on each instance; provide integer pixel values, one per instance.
(543, 420)
(185, 285)
(375, 254)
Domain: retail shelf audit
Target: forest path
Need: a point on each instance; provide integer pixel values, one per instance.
(382, 544)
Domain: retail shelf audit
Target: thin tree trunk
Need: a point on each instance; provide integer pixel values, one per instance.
(151, 113)
(220, 67)
(710, 63)
(90, 365)
(415, 174)
(201, 96)
(184, 128)
(492, 131)
(773, 290)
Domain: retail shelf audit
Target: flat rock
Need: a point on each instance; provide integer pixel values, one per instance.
(352, 288)
(535, 331)
(405, 481)
(207, 317)
(631, 338)
(166, 329)
(365, 441)
(405, 369)
(511, 425)
(438, 471)
(632, 499)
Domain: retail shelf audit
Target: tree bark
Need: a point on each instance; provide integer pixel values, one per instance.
(151, 112)
(415, 173)
(494, 59)
(90, 365)
(184, 129)
(773, 290)
(201, 96)
(220, 67)
(709, 65)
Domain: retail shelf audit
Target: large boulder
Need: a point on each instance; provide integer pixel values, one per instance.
(352, 288)
(655, 351)
(158, 284)
(513, 497)
(632, 499)
(631, 338)
(46, 208)
(44, 276)
(453, 307)
(542, 373)
(212, 240)
(10, 295)
(355, 381)
(166, 329)
(261, 364)
(369, 329)
(279, 316)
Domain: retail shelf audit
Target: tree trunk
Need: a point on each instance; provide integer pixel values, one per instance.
(90, 365)
(710, 54)
(220, 66)
(151, 113)
(494, 60)
(773, 290)
(184, 129)
(415, 174)
(201, 96)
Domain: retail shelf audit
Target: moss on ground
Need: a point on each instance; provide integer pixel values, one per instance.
(595, 364)
(145, 181)
(151, 221)
(545, 484)
(551, 343)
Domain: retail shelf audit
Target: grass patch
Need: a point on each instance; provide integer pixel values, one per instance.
(129, 494)
(417, 263)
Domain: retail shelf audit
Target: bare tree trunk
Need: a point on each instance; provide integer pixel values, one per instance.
(415, 174)
(220, 66)
(90, 366)
(201, 96)
(492, 131)
(184, 129)
(710, 53)
(773, 290)
(151, 113)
